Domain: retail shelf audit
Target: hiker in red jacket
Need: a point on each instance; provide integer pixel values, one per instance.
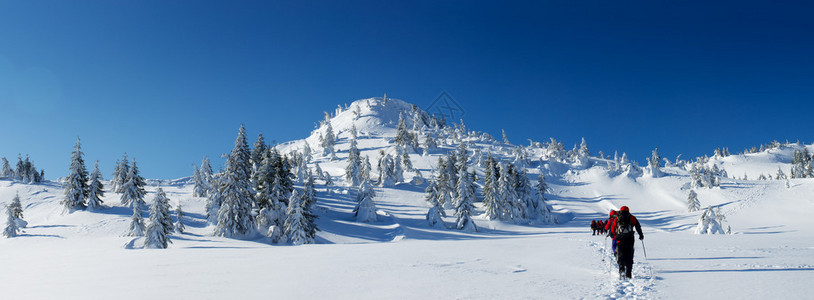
(622, 231)
(611, 218)
(594, 226)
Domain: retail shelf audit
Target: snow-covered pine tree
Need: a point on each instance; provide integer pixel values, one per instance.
(583, 155)
(307, 153)
(199, 187)
(505, 138)
(179, 219)
(95, 188)
(136, 222)
(405, 160)
(366, 168)
(214, 198)
(234, 215)
(18, 171)
(444, 188)
(544, 213)
(708, 223)
(693, 204)
(295, 228)
(16, 208)
(120, 175)
(492, 204)
(435, 213)
(429, 143)
(11, 230)
(258, 151)
(133, 189)
(507, 192)
(157, 236)
(387, 171)
(402, 137)
(365, 210)
(526, 196)
(6, 172)
(655, 163)
(207, 175)
(464, 203)
(780, 174)
(353, 171)
(398, 171)
(76, 184)
(329, 140)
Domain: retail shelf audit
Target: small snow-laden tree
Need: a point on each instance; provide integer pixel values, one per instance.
(318, 171)
(398, 170)
(166, 218)
(654, 164)
(133, 194)
(157, 236)
(120, 175)
(430, 144)
(543, 211)
(258, 152)
(402, 137)
(527, 198)
(214, 198)
(494, 206)
(309, 201)
(95, 188)
(136, 222)
(507, 192)
(179, 219)
(328, 179)
(583, 155)
(11, 230)
(435, 213)
(708, 223)
(296, 227)
(207, 176)
(366, 168)
(234, 215)
(405, 160)
(16, 208)
(365, 210)
(693, 204)
(307, 153)
(18, 171)
(353, 171)
(780, 174)
(464, 203)
(329, 141)
(199, 188)
(387, 172)
(444, 199)
(76, 184)
(6, 172)
(505, 137)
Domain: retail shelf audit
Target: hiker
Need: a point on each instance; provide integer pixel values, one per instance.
(600, 226)
(593, 227)
(611, 218)
(622, 230)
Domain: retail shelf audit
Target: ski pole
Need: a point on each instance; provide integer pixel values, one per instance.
(644, 249)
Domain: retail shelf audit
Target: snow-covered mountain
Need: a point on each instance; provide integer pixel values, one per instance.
(86, 254)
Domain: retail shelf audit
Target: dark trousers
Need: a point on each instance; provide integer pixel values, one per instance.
(624, 257)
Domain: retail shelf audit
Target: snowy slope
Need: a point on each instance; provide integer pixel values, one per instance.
(85, 255)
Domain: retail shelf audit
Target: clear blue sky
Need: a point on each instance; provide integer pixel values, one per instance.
(171, 81)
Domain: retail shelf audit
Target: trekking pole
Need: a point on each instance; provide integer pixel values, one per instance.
(645, 251)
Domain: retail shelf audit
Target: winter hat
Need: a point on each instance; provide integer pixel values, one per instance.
(612, 213)
(624, 208)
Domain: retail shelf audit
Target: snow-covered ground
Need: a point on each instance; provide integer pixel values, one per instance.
(86, 255)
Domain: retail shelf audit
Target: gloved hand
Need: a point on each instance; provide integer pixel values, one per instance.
(641, 237)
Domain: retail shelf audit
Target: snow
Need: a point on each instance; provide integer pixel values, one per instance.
(88, 255)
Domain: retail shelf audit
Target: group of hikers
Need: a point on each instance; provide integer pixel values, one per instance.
(598, 227)
(620, 228)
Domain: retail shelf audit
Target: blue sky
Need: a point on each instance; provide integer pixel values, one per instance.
(170, 81)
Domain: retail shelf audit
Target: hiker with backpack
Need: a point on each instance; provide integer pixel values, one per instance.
(593, 227)
(611, 218)
(622, 231)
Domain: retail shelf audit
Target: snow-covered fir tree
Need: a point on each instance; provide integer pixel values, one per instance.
(583, 155)
(136, 222)
(366, 168)
(365, 210)
(435, 213)
(353, 171)
(654, 163)
(402, 136)
(157, 236)
(120, 175)
(258, 151)
(543, 211)
(444, 199)
(526, 196)
(95, 188)
(199, 188)
(430, 144)
(214, 198)
(328, 140)
(780, 175)
(207, 175)
(491, 194)
(11, 230)
(76, 184)
(16, 208)
(464, 203)
(709, 223)
(693, 204)
(505, 137)
(235, 213)
(507, 192)
(295, 227)
(133, 189)
(179, 219)
(6, 172)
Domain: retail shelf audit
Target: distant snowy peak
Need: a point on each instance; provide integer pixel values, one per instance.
(377, 116)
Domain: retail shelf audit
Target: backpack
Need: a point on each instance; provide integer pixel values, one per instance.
(624, 227)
